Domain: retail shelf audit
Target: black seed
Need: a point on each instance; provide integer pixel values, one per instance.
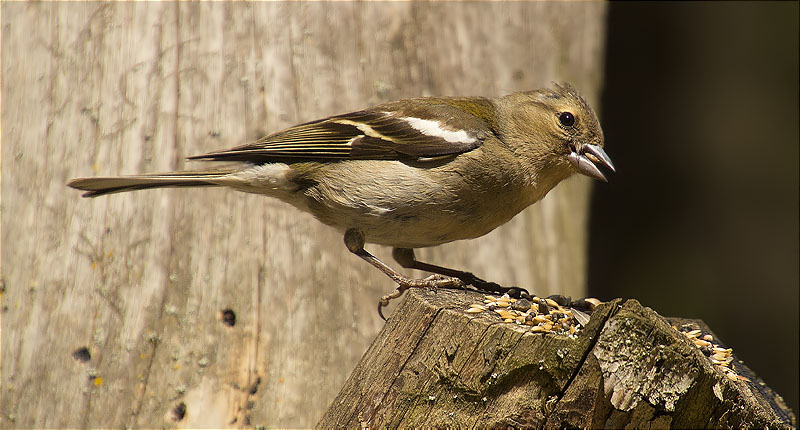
(582, 304)
(521, 305)
(561, 300)
(544, 308)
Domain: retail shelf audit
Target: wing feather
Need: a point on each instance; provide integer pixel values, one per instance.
(395, 131)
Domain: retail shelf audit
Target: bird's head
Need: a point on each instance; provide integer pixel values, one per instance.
(556, 132)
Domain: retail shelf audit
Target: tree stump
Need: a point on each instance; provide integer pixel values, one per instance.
(433, 364)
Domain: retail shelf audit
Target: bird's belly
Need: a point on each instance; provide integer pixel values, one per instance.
(420, 231)
(408, 225)
(404, 206)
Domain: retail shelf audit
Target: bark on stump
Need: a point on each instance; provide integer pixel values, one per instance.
(435, 365)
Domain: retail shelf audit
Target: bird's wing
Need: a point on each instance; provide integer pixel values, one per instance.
(394, 131)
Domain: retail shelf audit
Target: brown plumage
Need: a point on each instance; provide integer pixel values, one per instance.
(411, 173)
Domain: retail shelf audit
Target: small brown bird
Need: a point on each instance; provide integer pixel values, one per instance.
(411, 173)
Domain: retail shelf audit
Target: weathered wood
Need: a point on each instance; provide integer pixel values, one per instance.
(139, 280)
(433, 364)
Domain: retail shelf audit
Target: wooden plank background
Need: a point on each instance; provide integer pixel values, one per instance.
(140, 279)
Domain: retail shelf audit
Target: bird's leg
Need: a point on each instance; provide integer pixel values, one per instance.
(405, 257)
(354, 240)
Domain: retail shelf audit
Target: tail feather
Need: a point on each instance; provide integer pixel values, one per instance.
(99, 186)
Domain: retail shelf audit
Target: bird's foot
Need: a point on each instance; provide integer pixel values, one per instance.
(403, 284)
(488, 287)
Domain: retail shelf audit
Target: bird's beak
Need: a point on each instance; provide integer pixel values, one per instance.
(587, 157)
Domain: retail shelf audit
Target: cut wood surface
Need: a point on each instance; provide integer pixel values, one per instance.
(434, 365)
(117, 311)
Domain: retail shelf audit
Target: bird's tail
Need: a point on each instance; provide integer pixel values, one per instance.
(99, 186)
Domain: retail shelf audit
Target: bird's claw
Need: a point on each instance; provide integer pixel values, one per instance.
(432, 281)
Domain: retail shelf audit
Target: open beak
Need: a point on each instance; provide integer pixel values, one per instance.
(587, 157)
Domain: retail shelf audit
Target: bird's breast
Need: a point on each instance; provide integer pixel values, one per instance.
(407, 206)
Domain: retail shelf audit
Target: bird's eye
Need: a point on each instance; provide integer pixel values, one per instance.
(566, 119)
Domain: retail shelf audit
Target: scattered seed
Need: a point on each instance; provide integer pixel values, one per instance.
(594, 302)
(581, 317)
(719, 357)
(543, 307)
(521, 305)
(552, 319)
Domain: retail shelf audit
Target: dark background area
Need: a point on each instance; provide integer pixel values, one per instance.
(700, 113)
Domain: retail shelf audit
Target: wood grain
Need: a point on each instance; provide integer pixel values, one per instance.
(140, 279)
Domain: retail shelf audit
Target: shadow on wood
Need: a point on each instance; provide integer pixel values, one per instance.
(436, 365)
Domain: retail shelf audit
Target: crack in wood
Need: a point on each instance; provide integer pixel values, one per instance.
(140, 397)
(581, 362)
